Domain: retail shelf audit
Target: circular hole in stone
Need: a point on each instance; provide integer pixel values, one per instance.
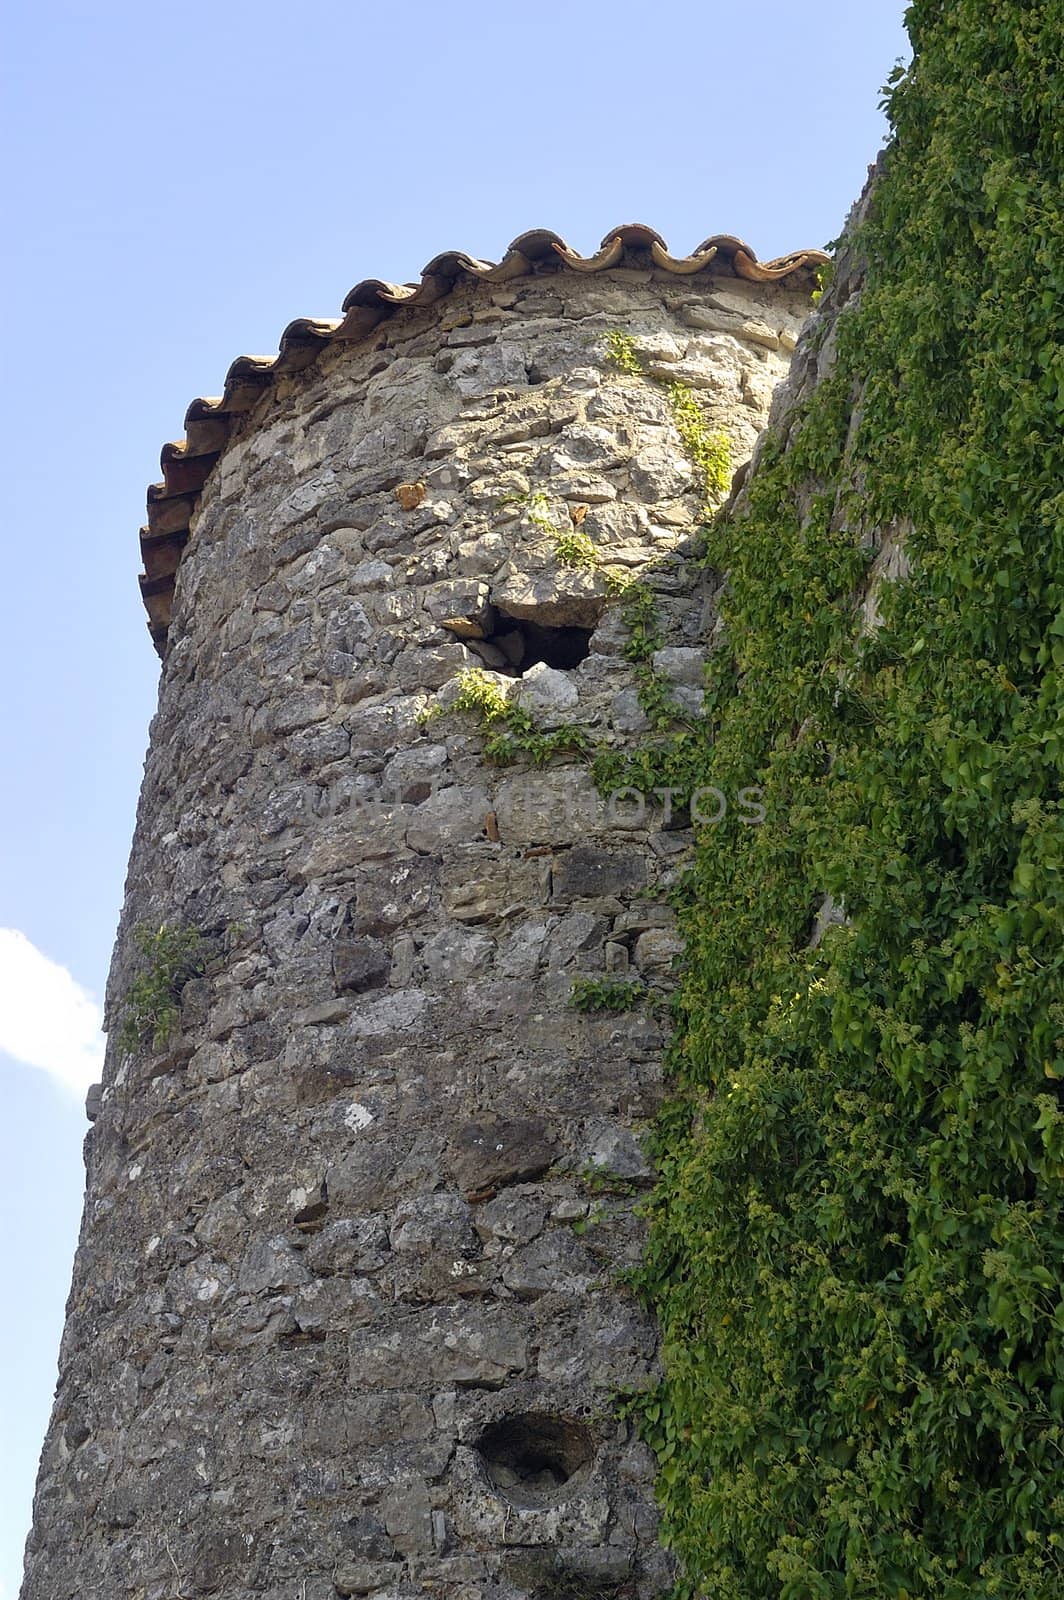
(536, 1460)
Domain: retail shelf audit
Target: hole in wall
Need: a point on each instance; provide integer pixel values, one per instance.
(536, 1460)
(556, 647)
(519, 643)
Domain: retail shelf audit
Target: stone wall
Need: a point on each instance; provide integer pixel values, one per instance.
(346, 1316)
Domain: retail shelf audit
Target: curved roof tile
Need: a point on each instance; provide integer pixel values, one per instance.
(186, 464)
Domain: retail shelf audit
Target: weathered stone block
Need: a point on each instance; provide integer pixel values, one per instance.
(567, 597)
(522, 953)
(411, 775)
(433, 1222)
(407, 1511)
(588, 872)
(661, 472)
(514, 1217)
(400, 1012)
(480, 372)
(389, 896)
(554, 1263)
(457, 952)
(354, 1576)
(470, 1346)
(461, 605)
(544, 689)
(225, 1557)
(360, 963)
(657, 951)
(547, 807)
(375, 1419)
(450, 816)
(364, 1179)
(616, 1150)
(477, 890)
(494, 1151)
(353, 1244)
(270, 1264)
(573, 936)
(682, 664)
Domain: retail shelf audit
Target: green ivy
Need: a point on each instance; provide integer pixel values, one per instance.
(824, 275)
(606, 994)
(169, 957)
(639, 612)
(512, 731)
(708, 450)
(622, 353)
(576, 549)
(856, 1239)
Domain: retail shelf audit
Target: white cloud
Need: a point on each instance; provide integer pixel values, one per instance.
(47, 1020)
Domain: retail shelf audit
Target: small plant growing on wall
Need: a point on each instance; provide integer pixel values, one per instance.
(709, 450)
(622, 353)
(511, 730)
(170, 956)
(572, 546)
(596, 1180)
(606, 994)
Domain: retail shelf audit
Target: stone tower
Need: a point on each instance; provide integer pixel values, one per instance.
(346, 1316)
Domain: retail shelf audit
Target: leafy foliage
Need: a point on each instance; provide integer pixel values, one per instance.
(622, 353)
(857, 1235)
(171, 955)
(708, 450)
(575, 548)
(606, 994)
(639, 611)
(512, 731)
(823, 278)
(600, 1180)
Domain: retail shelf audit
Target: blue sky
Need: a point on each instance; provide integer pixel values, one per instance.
(182, 183)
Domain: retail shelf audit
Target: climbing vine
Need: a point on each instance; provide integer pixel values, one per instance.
(511, 730)
(708, 450)
(168, 957)
(639, 611)
(572, 546)
(857, 1234)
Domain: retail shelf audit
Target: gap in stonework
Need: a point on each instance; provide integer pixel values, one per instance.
(533, 1459)
(522, 643)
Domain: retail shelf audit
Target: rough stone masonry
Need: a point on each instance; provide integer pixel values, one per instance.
(346, 1315)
